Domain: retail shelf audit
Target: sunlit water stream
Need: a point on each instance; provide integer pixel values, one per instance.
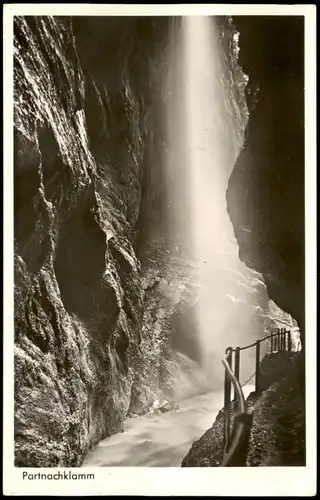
(159, 440)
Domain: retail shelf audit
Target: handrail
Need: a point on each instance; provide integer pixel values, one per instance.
(258, 340)
(235, 453)
(236, 384)
(255, 343)
(230, 453)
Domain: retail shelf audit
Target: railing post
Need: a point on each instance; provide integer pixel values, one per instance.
(237, 371)
(278, 339)
(289, 341)
(272, 342)
(227, 397)
(257, 365)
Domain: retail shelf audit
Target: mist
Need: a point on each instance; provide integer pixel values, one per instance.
(203, 140)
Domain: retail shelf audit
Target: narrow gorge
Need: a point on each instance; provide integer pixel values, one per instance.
(158, 219)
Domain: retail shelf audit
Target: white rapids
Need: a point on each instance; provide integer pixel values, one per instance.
(159, 440)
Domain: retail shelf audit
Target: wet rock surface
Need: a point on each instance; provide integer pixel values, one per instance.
(278, 430)
(268, 177)
(78, 290)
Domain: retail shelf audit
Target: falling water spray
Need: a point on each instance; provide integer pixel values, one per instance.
(203, 142)
(208, 174)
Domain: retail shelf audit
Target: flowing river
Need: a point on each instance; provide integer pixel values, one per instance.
(160, 440)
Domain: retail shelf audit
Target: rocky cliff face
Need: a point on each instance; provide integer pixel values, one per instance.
(268, 179)
(78, 290)
(83, 136)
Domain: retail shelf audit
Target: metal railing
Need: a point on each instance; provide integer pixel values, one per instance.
(235, 447)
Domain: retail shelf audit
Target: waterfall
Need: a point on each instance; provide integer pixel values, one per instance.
(205, 135)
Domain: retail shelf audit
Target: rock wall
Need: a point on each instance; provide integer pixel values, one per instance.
(100, 285)
(82, 133)
(266, 189)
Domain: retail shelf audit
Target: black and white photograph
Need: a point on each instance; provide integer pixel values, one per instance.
(159, 243)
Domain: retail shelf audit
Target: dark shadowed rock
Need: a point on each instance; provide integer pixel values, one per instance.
(80, 135)
(266, 189)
